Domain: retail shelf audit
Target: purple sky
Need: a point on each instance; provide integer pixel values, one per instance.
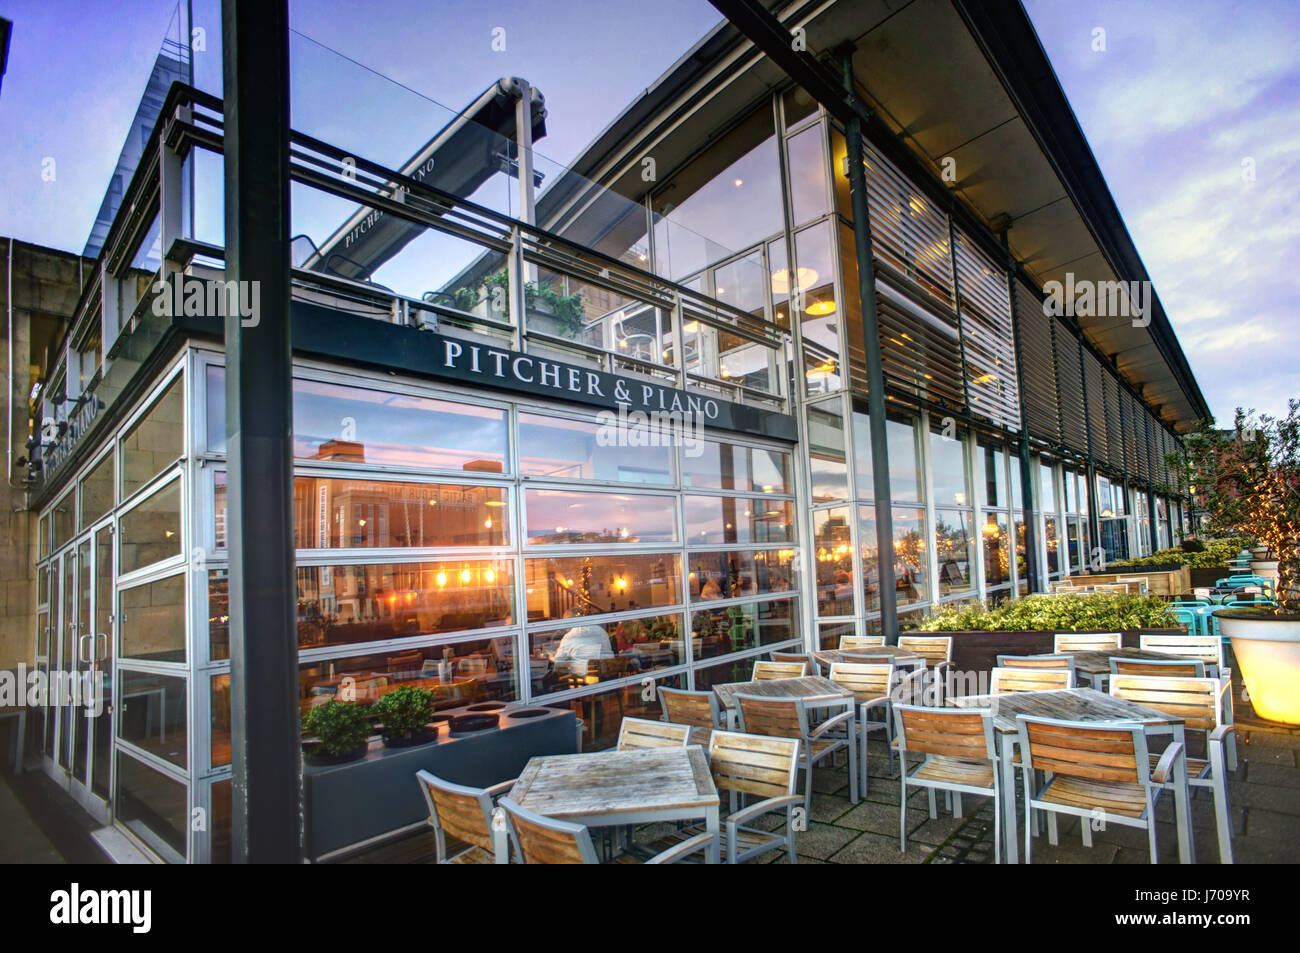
(1184, 93)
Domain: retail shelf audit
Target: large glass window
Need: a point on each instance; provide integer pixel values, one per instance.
(457, 674)
(910, 557)
(65, 519)
(815, 260)
(991, 477)
(152, 714)
(830, 472)
(152, 620)
(151, 804)
(150, 531)
(807, 174)
(904, 460)
(955, 549)
(601, 713)
(587, 651)
(589, 585)
(360, 425)
(711, 520)
(583, 450)
(735, 573)
(333, 514)
(725, 466)
(157, 439)
(97, 492)
(948, 469)
(723, 629)
(832, 536)
(997, 550)
(569, 516)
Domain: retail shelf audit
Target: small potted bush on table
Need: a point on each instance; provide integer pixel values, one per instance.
(342, 730)
(405, 714)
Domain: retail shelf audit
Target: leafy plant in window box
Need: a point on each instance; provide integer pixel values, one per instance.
(1247, 479)
(342, 730)
(405, 714)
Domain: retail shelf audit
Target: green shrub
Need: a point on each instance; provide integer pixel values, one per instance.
(405, 711)
(1112, 612)
(341, 726)
(1216, 553)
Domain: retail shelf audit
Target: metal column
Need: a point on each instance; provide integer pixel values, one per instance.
(266, 755)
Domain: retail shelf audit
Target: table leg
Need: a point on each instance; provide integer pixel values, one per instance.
(1010, 847)
(712, 824)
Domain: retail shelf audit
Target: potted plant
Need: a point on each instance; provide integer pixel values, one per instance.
(1248, 479)
(405, 714)
(342, 730)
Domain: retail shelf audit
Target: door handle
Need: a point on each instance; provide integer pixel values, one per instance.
(84, 653)
(100, 655)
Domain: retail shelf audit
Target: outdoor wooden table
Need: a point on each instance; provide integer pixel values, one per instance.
(829, 657)
(615, 788)
(1095, 666)
(1073, 704)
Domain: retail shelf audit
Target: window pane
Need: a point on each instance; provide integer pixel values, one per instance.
(1046, 488)
(97, 492)
(587, 652)
(910, 559)
(724, 629)
(711, 520)
(567, 516)
(830, 633)
(65, 520)
(948, 463)
(815, 273)
(955, 549)
(220, 705)
(904, 462)
(729, 575)
(458, 674)
(807, 175)
(1052, 537)
(153, 620)
(367, 514)
(831, 536)
(830, 471)
(368, 603)
(997, 550)
(572, 450)
(153, 714)
(991, 478)
(1070, 483)
(360, 425)
(589, 585)
(725, 466)
(154, 806)
(151, 531)
(156, 440)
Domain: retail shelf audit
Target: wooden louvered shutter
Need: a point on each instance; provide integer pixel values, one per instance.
(988, 345)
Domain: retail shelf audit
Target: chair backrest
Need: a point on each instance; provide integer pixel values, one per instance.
(1170, 668)
(1086, 641)
(1135, 586)
(753, 764)
(1110, 587)
(955, 732)
(697, 709)
(635, 733)
(866, 681)
(463, 812)
(1037, 661)
(1188, 616)
(1207, 648)
(545, 840)
(861, 641)
(1007, 680)
(1115, 751)
(932, 648)
(1062, 586)
(777, 717)
(789, 657)
(1198, 701)
(765, 670)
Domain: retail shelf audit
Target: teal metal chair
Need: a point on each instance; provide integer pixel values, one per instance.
(1189, 616)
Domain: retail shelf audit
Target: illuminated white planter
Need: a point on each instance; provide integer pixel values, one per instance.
(1267, 648)
(1265, 569)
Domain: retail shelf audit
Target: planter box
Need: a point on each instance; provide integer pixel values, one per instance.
(978, 651)
(351, 804)
(1160, 582)
(1208, 577)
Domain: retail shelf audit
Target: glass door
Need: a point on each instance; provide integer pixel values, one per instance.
(101, 726)
(90, 727)
(66, 664)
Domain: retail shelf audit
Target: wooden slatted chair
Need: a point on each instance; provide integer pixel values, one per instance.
(789, 657)
(1207, 648)
(1039, 661)
(464, 813)
(769, 670)
(1007, 680)
(866, 657)
(1136, 585)
(1086, 641)
(788, 718)
(937, 652)
(700, 710)
(1160, 668)
(744, 766)
(1105, 588)
(1204, 704)
(545, 840)
(861, 642)
(637, 733)
(959, 753)
(871, 685)
(1093, 770)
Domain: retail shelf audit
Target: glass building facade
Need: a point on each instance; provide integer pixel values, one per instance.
(448, 534)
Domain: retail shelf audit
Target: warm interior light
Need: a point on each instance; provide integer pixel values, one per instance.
(490, 575)
(621, 583)
(806, 277)
(959, 499)
(464, 575)
(494, 503)
(442, 579)
(739, 183)
(819, 308)
(487, 523)
(690, 327)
